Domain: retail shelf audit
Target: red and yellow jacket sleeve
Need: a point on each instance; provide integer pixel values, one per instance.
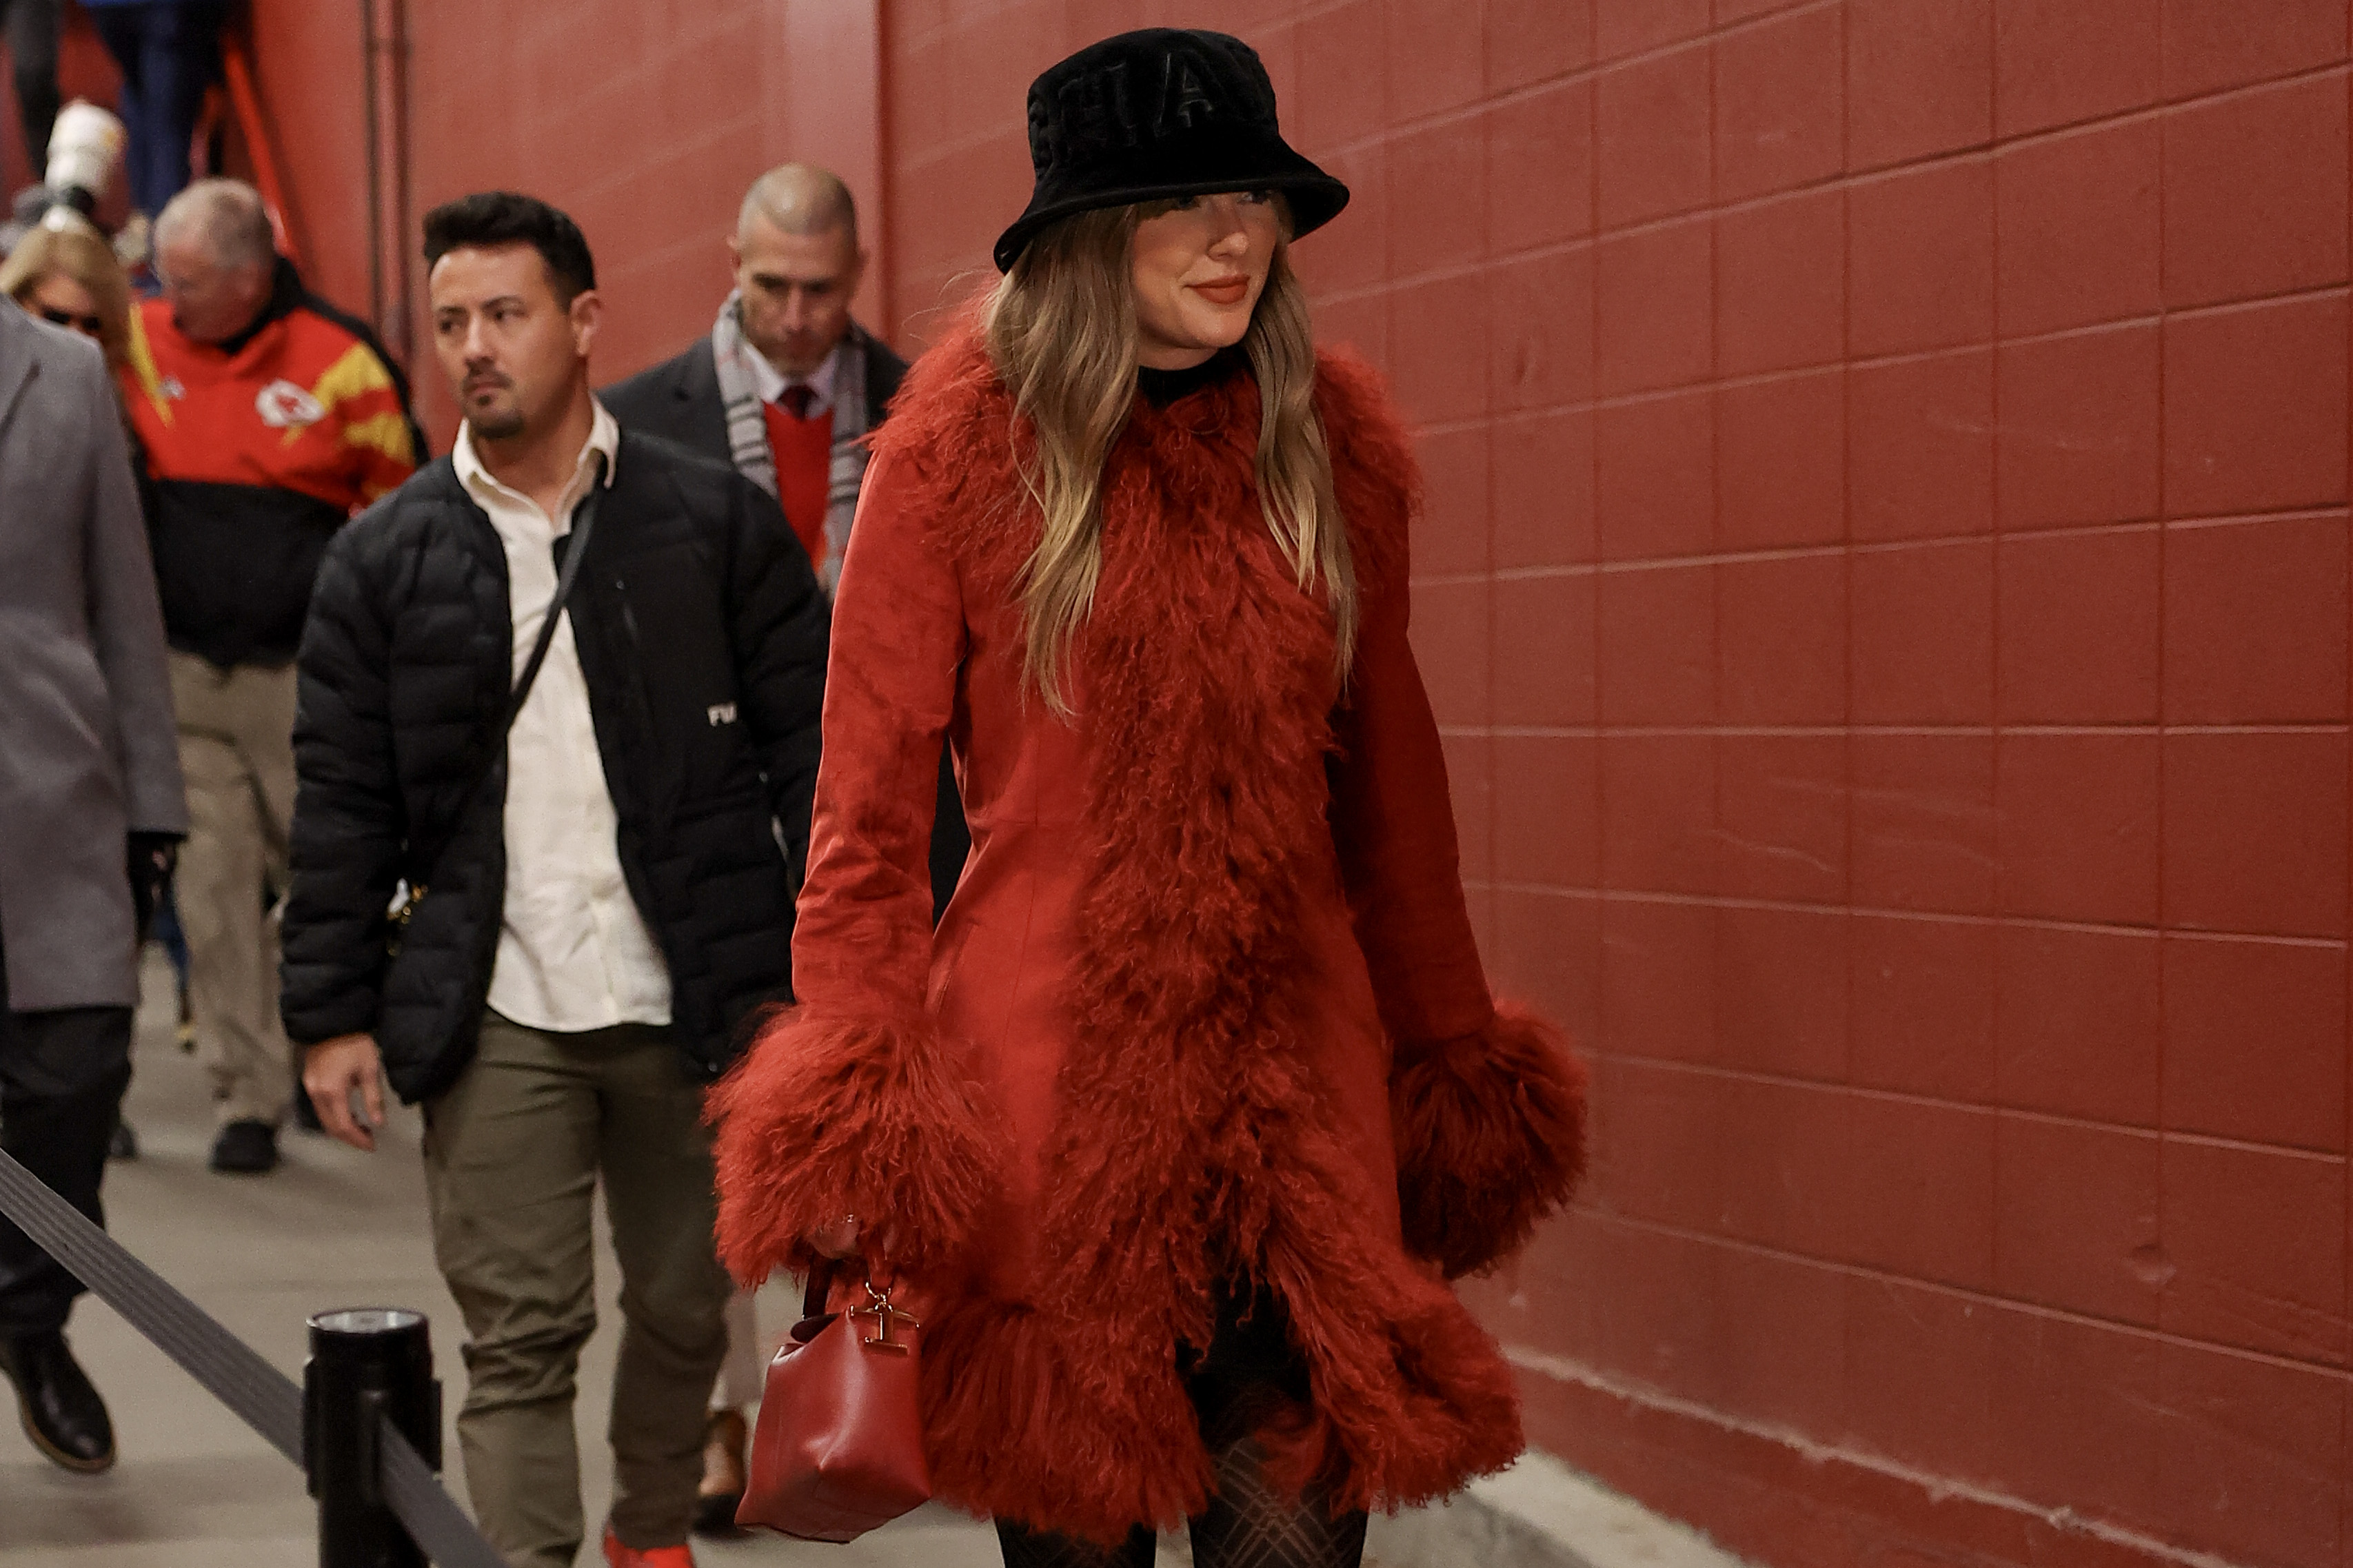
(359, 397)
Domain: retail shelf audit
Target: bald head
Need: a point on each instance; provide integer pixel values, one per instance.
(225, 216)
(796, 266)
(799, 199)
(215, 258)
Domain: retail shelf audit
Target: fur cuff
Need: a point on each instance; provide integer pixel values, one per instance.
(830, 1115)
(1489, 1133)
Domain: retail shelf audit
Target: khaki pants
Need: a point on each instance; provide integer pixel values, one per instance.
(512, 1152)
(237, 749)
(744, 1374)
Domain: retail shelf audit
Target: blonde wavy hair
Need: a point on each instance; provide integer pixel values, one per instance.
(66, 244)
(1061, 330)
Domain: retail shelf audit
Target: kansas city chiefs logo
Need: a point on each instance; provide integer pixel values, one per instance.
(284, 406)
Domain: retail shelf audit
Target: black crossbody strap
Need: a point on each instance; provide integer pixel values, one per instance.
(575, 551)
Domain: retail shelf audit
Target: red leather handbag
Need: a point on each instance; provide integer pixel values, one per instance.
(839, 1448)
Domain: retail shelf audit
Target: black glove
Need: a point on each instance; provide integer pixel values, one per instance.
(152, 856)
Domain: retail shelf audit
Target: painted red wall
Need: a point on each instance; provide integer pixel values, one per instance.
(1885, 591)
(313, 56)
(644, 123)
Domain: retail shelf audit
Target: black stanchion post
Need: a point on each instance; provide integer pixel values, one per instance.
(368, 1365)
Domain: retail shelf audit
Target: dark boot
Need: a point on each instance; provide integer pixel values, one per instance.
(721, 1491)
(62, 1412)
(246, 1149)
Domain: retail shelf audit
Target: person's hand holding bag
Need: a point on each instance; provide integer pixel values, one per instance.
(839, 1448)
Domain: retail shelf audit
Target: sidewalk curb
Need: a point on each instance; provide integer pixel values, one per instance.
(1539, 1514)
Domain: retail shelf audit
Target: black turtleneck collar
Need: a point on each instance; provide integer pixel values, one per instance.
(285, 292)
(1163, 387)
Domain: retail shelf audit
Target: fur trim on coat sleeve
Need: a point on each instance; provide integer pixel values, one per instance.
(1490, 1139)
(830, 1115)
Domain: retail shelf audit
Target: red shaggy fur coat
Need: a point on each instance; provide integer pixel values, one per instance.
(1206, 1006)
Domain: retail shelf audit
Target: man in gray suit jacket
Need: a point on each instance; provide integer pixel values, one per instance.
(90, 805)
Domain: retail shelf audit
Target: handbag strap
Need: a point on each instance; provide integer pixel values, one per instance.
(820, 1287)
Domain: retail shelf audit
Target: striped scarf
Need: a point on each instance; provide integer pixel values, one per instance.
(747, 427)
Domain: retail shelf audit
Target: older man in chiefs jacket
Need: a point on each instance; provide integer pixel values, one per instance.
(267, 418)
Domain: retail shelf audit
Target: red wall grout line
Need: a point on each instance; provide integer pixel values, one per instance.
(2164, 506)
(1993, 651)
(1600, 953)
(2345, 1418)
(1846, 568)
(886, 182)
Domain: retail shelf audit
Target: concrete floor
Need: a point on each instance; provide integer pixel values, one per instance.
(332, 1227)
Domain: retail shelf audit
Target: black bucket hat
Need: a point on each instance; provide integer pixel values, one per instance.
(1164, 111)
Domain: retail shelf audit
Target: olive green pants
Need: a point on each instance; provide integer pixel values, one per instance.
(512, 1153)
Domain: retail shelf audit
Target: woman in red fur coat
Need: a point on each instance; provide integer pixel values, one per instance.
(1180, 1125)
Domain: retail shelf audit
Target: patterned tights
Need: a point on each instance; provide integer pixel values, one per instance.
(1249, 1522)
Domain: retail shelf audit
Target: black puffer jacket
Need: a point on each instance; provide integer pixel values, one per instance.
(702, 635)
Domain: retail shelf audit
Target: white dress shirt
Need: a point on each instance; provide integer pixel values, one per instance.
(771, 383)
(574, 952)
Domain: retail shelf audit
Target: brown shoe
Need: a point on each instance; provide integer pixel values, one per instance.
(721, 1491)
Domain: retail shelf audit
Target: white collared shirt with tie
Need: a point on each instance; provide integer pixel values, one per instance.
(574, 952)
(771, 384)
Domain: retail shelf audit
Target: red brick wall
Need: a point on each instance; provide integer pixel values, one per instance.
(312, 59)
(644, 122)
(1885, 591)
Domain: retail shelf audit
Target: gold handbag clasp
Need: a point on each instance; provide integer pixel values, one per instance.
(882, 1315)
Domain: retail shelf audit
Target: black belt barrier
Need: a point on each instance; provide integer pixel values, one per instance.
(263, 1397)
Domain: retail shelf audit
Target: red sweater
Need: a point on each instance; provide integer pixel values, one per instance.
(803, 449)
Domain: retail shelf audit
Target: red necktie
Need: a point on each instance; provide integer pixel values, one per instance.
(797, 399)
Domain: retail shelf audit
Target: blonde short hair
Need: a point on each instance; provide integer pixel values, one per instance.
(66, 244)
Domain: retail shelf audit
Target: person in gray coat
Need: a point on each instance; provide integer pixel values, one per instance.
(90, 805)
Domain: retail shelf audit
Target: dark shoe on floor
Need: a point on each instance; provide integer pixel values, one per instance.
(62, 1412)
(124, 1144)
(246, 1149)
(722, 1475)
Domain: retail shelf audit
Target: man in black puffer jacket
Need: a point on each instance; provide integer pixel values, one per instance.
(599, 891)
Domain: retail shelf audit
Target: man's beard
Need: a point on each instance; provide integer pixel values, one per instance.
(499, 424)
